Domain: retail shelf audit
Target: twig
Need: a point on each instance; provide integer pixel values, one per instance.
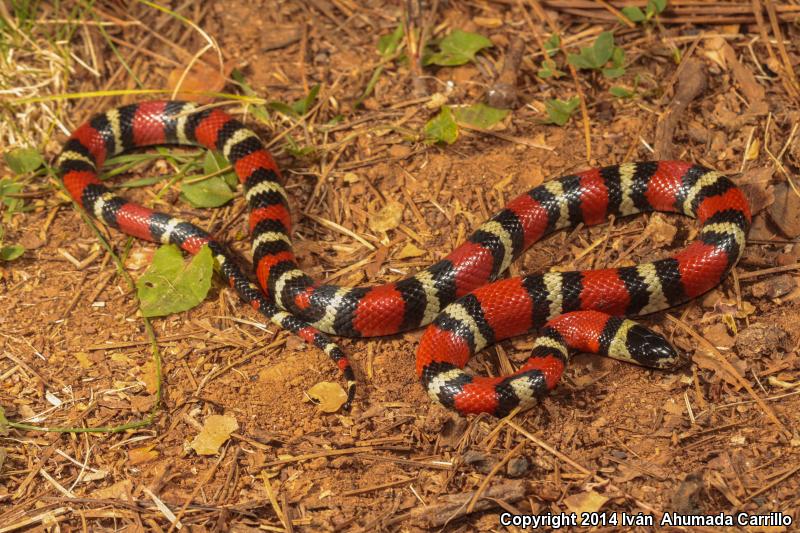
(733, 372)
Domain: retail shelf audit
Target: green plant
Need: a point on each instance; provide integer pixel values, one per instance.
(388, 46)
(560, 111)
(457, 48)
(599, 55)
(21, 161)
(653, 8)
(444, 126)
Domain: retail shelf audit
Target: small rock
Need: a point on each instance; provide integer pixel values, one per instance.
(479, 461)
(517, 466)
(785, 211)
(774, 287)
(619, 454)
(342, 462)
(697, 132)
(31, 241)
(452, 431)
(399, 150)
(317, 464)
(762, 339)
(684, 499)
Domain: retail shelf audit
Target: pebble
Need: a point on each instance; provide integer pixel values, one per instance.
(479, 461)
(517, 466)
(762, 339)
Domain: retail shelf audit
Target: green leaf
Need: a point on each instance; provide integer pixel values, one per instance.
(13, 205)
(3, 423)
(633, 13)
(559, 111)
(22, 160)
(595, 56)
(298, 108)
(604, 47)
(442, 127)
(549, 70)
(301, 107)
(618, 57)
(258, 111)
(9, 186)
(215, 162)
(170, 285)
(387, 44)
(617, 64)
(552, 44)
(282, 108)
(211, 192)
(479, 115)
(654, 7)
(621, 92)
(296, 150)
(11, 252)
(613, 72)
(458, 48)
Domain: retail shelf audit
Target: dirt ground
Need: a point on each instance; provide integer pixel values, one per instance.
(718, 435)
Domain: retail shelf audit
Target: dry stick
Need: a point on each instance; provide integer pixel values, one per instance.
(509, 138)
(566, 459)
(341, 229)
(787, 63)
(618, 14)
(491, 474)
(196, 490)
(273, 500)
(762, 30)
(453, 506)
(766, 271)
(503, 92)
(417, 33)
(47, 516)
(675, 77)
(587, 138)
(390, 484)
(327, 453)
(688, 88)
(733, 372)
(770, 485)
(543, 445)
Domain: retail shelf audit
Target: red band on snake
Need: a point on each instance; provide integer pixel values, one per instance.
(459, 295)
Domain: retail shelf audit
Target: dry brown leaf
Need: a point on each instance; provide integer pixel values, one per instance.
(410, 250)
(389, 217)
(120, 490)
(661, 230)
(201, 78)
(216, 430)
(83, 359)
(149, 377)
(585, 502)
(145, 454)
(330, 396)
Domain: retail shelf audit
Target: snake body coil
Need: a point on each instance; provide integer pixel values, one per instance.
(458, 295)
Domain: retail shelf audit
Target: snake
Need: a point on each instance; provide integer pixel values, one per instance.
(463, 299)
